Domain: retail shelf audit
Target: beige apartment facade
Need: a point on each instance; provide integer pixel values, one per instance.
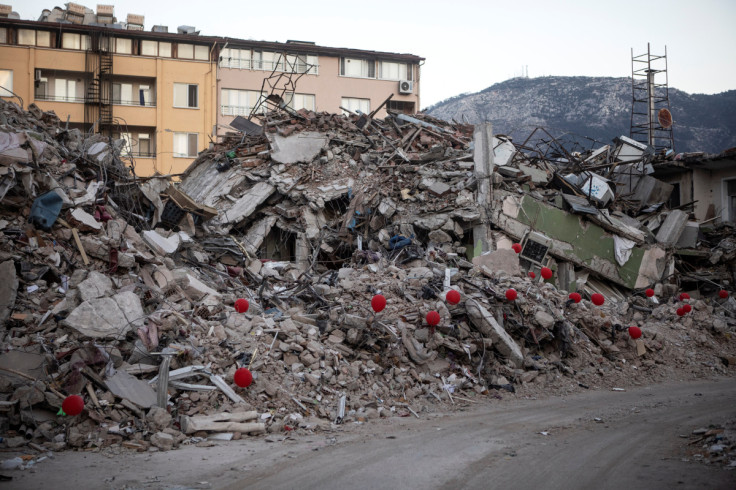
(170, 95)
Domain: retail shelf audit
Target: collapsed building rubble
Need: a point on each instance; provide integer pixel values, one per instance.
(122, 289)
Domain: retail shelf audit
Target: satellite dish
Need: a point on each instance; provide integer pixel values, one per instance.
(665, 118)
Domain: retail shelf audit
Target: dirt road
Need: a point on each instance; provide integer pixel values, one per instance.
(636, 444)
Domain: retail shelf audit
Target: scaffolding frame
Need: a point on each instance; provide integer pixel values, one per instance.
(650, 97)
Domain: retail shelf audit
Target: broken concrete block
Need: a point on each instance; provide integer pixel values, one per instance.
(439, 189)
(95, 286)
(439, 237)
(84, 221)
(298, 148)
(489, 327)
(689, 236)
(672, 227)
(163, 441)
(8, 289)
(158, 417)
(544, 319)
(107, 317)
(505, 260)
(124, 385)
(538, 175)
(161, 245)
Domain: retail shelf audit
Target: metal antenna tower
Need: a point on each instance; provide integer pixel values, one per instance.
(651, 119)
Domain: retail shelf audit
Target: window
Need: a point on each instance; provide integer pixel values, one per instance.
(65, 90)
(43, 39)
(6, 83)
(239, 102)
(164, 50)
(401, 106)
(123, 46)
(235, 58)
(3, 35)
(301, 63)
(136, 144)
(144, 95)
(185, 95)
(74, 41)
(351, 67)
(394, 71)
(149, 48)
(185, 51)
(355, 105)
(145, 149)
(27, 37)
(300, 101)
(185, 145)
(122, 93)
(269, 61)
(201, 53)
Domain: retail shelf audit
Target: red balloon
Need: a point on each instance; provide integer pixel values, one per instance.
(680, 311)
(649, 292)
(378, 303)
(684, 296)
(687, 308)
(433, 318)
(242, 305)
(723, 294)
(532, 274)
(516, 247)
(597, 299)
(575, 297)
(453, 297)
(635, 332)
(546, 272)
(511, 294)
(243, 377)
(73, 405)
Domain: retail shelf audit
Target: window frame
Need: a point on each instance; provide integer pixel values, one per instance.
(187, 135)
(347, 106)
(188, 95)
(9, 89)
(367, 63)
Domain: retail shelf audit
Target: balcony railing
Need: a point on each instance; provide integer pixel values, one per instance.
(82, 100)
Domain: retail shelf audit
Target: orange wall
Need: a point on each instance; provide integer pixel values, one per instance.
(164, 119)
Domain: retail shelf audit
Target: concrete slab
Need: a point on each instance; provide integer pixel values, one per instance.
(673, 226)
(500, 260)
(95, 286)
(489, 327)
(299, 148)
(107, 317)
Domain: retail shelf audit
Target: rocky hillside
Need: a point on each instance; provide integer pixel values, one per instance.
(596, 107)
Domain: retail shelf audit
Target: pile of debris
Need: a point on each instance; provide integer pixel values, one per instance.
(122, 289)
(714, 445)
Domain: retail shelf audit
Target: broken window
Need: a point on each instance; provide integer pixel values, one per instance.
(186, 95)
(6, 83)
(353, 67)
(185, 145)
(354, 104)
(401, 106)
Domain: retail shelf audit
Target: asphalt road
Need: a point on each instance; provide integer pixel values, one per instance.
(635, 445)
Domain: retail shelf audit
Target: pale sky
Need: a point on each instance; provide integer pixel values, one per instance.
(471, 44)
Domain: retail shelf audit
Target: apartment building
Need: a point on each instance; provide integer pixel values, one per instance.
(170, 94)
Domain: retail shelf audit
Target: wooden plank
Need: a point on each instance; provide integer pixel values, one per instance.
(85, 259)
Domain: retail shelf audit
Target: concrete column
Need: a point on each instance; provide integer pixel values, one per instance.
(483, 160)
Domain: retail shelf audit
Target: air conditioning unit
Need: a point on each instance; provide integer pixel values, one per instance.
(38, 75)
(406, 86)
(534, 247)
